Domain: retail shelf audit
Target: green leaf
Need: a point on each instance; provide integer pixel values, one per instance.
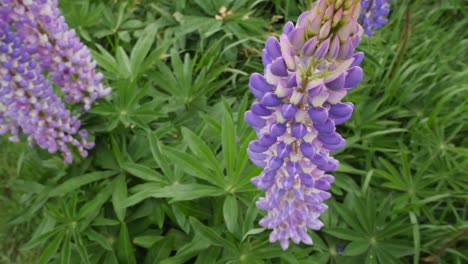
(98, 238)
(91, 209)
(123, 62)
(157, 154)
(254, 231)
(231, 212)
(211, 235)
(142, 47)
(78, 181)
(416, 237)
(188, 251)
(36, 241)
(51, 249)
(356, 248)
(142, 172)
(105, 222)
(119, 196)
(124, 246)
(250, 216)
(146, 241)
(65, 256)
(178, 192)
(193, 166)
(345, 234)
(228, 138)
(201, 149)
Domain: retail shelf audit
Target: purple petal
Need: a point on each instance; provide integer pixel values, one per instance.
(271, 100)
(254, 120)
(255, 147)
(292, 81)
(335, 147)
(288, 27)
(319, 160)
(292, 168)
(276, 163)
(336, 83)
(265, 58)
(325, 128)
(298, 130)
(358, 57)
(341, 112)
(309, 47)
(306, 179)
(330, 139)
(267, 140)
(273, 48)
(296, 37)
(277, 129)
(322, 49)
(260, 110)
(308, 149)
(334, 48)
(288, 111)
(318, 114)
(322, 185)
(283, 150)
(354, 77)
(278, 67)
(259, 82)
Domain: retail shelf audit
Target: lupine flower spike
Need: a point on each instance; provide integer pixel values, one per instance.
(34, 38)
(58, 49)
(307, 73)
(374, 14)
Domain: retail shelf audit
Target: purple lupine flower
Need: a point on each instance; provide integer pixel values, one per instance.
(27, 101)
(60, 51)
(307, 73)
(374, 14)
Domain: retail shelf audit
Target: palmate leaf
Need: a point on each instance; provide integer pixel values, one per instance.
(211, 235)
(201, 149)
(194, 166)
(51, 249)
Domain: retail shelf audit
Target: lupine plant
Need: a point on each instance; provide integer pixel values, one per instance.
(169, 179)
(307, 73)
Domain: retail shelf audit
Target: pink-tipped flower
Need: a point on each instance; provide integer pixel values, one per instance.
(308, 71)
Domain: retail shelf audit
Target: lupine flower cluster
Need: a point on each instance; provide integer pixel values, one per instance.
(34, 39)
(307, 73)
(374, 14)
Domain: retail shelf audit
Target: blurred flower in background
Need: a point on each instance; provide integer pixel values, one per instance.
(35, 40)
(374, 15)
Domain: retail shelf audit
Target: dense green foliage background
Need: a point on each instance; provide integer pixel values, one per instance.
(168, 181)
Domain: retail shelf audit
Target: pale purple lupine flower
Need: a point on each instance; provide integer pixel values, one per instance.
(374, 14)
(27, 101)
(35, 40)
(59, 49)
(307, 73)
